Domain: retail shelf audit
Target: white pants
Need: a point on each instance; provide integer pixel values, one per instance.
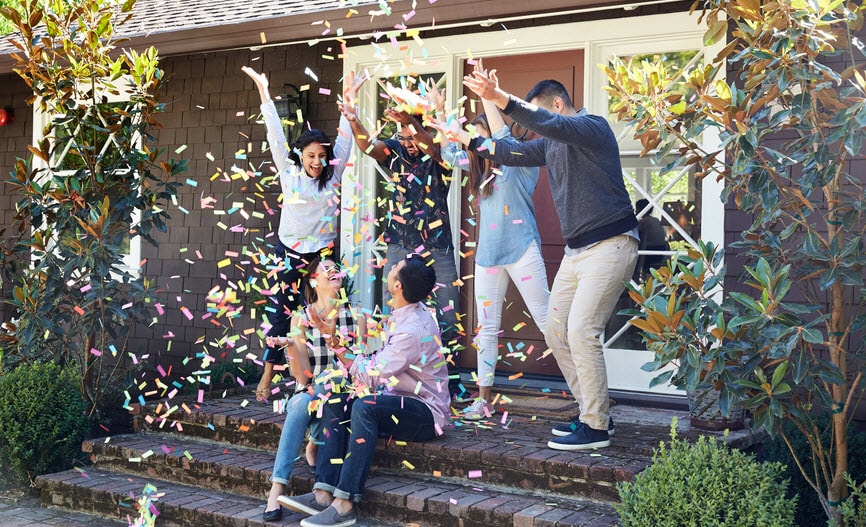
(491, 283)
(585, 291)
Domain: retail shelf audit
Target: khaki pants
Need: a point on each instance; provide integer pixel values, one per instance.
(584, 293)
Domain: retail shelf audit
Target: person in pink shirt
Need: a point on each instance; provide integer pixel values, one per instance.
(401, 392)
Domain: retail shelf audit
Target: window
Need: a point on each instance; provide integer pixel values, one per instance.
(103, 141)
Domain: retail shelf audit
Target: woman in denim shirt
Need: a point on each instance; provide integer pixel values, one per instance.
(509, 246)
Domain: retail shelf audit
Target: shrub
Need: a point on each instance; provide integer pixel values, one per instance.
(42, 421)
(809, 504)
(853, 509)
(705, 483)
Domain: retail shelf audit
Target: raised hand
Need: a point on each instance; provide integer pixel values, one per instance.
(485, 84)
(399, 116)
(351, 84)
(435, 96)
(451, 129)
(349, 111)
(261, 81)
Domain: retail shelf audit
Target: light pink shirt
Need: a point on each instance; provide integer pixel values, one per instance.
(410, 363)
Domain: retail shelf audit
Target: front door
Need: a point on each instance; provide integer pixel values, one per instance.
(522, 347)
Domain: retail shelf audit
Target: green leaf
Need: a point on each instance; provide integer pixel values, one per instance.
(779, 373)
(812, 336)
(716, 32)
(661, 379)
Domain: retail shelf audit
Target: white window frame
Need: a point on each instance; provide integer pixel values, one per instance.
(119, 93)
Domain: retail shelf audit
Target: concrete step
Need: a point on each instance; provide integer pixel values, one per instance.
(389, 498)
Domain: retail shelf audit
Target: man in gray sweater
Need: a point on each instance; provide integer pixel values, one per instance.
(597, 219)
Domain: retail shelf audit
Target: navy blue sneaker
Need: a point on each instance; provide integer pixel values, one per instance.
(564, 430)
(582, 438)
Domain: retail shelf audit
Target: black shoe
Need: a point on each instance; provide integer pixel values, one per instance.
(564, 430)
(582, 438)
(273, 516)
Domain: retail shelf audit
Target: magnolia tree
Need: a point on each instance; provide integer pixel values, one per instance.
(89, 190)
(791, 124)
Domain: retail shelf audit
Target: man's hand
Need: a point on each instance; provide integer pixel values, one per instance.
(400, 117)
(485, 84)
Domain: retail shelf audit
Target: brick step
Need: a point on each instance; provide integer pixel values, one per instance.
(410, 498)
(106, 493)
(513, 452)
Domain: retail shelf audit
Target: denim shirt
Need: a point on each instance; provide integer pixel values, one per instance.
(418, 205)
(507, 225)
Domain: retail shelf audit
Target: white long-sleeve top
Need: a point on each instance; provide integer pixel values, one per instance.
(308, 220)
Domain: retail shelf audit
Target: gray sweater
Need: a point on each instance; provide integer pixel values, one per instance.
(582, 158)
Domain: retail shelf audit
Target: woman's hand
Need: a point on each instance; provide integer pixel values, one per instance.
(261, 82)
(435, 97)
(451, 129)
(351, 84)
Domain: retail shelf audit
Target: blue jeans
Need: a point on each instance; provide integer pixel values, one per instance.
(372, 417)
(298, 418)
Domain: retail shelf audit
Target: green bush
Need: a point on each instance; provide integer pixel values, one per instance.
(42, 421)
(775, 450)
(705, 484)
(853, 509)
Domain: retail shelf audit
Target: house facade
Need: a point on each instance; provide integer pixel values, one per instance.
(225, 218)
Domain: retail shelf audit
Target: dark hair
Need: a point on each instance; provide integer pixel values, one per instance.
(309, 269)
(314, 136)
(480, 168)
(640, 205)
(546, 90)
(417, 278)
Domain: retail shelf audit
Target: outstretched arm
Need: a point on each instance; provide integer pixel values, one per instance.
(370, 146)
(261, 82)
(352, 82)
(276, 136)
(420, 135)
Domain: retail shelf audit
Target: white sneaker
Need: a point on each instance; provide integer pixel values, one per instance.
(479, 410)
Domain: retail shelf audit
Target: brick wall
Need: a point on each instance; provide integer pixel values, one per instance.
(14, 138)
(211, 107)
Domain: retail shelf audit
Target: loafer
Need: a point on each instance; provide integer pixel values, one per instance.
(273, 516)
(305, 503)
(330, 518)
(564, 430)
(583, 438)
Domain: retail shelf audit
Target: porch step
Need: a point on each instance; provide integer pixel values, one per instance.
(212, 460)
(389, 498)
(107, 493)
(511, 451)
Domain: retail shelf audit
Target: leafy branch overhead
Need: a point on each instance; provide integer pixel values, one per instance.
(786, 99)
